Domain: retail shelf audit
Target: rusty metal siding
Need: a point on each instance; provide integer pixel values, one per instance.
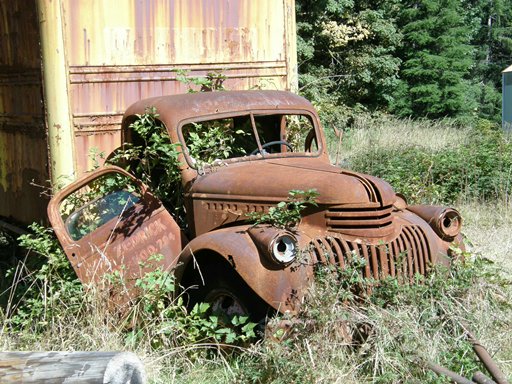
(123, 51)
(113, 54)
(23, 148)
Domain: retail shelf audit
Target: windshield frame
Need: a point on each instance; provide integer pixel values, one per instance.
(252, 114)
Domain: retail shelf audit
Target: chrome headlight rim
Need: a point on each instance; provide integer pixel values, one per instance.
(283, 248)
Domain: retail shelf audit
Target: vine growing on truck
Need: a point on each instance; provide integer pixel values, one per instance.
(153, 159)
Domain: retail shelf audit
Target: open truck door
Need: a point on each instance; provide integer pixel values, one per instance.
(108, 222)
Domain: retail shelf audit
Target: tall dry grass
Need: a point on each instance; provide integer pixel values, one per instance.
(388, 132)
(369, 341)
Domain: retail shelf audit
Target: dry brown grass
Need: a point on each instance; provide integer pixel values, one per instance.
(488, 227)
(389, 132)
(425, 325)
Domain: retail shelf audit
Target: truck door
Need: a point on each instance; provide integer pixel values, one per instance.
(108, 222)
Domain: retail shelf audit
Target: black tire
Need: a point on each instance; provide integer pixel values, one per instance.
(226, 292)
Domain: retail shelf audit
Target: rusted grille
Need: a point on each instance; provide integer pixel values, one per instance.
(358, 221)
(405, 256)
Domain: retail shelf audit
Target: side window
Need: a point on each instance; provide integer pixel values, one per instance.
(104, 199)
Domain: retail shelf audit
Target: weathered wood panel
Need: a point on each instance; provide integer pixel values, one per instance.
(71, 367)
(23, 150)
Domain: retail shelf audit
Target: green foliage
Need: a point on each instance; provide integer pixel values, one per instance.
(213, 140)
(346, 52)
(213, 81)
(437, 58)
(286, 214)
(480, 169)
(158, 316)
(413, 58)
(153, 159)
(492, 21)
(40, 285)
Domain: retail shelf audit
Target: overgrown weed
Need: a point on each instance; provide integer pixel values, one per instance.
(478, 167)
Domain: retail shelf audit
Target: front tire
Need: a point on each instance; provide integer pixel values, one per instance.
(226, 292)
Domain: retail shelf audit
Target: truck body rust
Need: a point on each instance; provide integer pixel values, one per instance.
(278, 145)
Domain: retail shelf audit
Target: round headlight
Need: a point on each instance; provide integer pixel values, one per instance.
(284, 249)
(450, 223)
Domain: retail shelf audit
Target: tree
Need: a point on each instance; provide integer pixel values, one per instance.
(346, 51)
(492, 21)
(437, 58)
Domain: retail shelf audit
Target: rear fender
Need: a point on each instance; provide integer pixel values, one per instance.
(280, 287)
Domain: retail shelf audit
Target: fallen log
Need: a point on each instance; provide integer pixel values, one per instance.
(71, 367)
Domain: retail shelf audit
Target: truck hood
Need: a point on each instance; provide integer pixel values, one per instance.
(274, 178)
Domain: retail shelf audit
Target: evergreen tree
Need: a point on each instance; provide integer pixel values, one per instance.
(437, 58)
(492, 20)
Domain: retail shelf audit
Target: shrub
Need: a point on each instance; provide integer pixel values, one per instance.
(479, 170)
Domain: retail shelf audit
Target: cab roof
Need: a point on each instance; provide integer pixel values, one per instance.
(176, 108)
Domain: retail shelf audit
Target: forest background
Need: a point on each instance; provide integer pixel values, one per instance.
(418, 58)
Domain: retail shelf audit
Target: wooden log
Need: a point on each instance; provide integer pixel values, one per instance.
(71, 367)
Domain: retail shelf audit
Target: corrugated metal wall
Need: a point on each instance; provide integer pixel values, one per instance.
(100, 56)
(23, 149)
(122, 51)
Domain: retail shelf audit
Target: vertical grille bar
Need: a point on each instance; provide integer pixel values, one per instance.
(413, 264)
(367, 269)
(393, 254)
(384, 259)
(419, 256)
(319, 253)
(347, 251)
(375, 263)
(425, 246)
(328, 253)
(340, 260)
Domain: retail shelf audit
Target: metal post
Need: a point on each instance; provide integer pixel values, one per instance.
(55, 89)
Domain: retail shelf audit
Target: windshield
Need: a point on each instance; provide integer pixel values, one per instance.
(211, 141)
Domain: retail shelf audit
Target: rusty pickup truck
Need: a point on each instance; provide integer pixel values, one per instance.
(277, 144)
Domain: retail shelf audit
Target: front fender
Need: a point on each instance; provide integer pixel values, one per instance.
(280, 287)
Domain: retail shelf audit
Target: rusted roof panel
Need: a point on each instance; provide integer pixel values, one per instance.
(176, 108)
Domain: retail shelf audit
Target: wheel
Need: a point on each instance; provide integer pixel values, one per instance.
(225, 303)
(226, 292)
(272, 143)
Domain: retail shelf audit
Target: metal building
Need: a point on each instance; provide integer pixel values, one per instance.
(69, 68)
(507, 99)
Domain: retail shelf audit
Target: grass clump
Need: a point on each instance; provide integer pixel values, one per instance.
(385, 337)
